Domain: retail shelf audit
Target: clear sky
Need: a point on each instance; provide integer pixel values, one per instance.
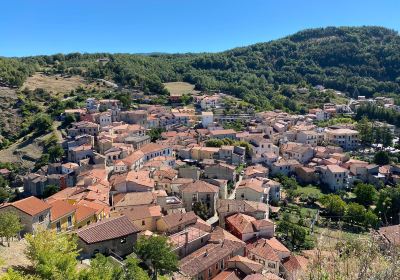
(31, 27)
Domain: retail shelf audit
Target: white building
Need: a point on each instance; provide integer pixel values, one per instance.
(207, 118)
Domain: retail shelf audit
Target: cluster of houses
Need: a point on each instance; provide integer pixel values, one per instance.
(115, 185)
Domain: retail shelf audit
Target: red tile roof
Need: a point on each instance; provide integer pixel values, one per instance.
(108, 229)
(60, 208)
(31, 205)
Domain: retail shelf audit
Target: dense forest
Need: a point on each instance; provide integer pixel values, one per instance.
(354, 60)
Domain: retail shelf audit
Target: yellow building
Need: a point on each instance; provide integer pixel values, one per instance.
(62, 216)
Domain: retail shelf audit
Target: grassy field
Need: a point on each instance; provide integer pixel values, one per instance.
(55, 84)
(180, 88)
(309, 190)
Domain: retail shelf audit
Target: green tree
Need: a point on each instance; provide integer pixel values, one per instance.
(10, 225)
(156, 252)
(101, 268)
(134, 271)
(155, 133)
(41, 123)
(49, 190)
(365, 194)
(381, 158)
(334, 205)
(371, 219)
(201, 210)
(355, 213)
(54, 256)
(364, 127)
(388, 205)
(55, 153)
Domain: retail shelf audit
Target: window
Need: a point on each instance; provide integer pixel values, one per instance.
(123, 240)
(222, 264)
(143, 223)
(209, 272)
(271, 265)
(202, 240)
(58, 226)
(194, 197)
(41, 219)
(69, 221)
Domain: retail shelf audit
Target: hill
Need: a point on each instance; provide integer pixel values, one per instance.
(355, 60)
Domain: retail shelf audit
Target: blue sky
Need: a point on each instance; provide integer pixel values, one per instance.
(31, 27)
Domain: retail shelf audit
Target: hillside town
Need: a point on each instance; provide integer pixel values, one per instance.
(215, 184)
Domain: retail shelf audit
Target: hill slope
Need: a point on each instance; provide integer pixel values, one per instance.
(356, 60)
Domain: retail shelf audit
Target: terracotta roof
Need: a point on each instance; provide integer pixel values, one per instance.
(218, 248)
(108, 229)
(200, 187)
(277, 245)
(226, 275)
(173, 220)
(134, 199)
(243, 206)
(82, 212)
(255, 184)
(295, 264)
(266, 276)
(152, 147)
(241, 222)
(60, 208)
(252, 265)
(31, 205)
(135, 213)
(264, 250)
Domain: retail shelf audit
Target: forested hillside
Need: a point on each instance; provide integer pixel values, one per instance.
(355, 60)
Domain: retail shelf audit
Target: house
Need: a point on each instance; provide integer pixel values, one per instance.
(188, 240)
(153, 150)
(207, 118)
(200, 191)
(294, 267)
(227, 207)
(232, 154)
(334, 176)
(284, 166)
(268, 252)
(201, 153)
(208, 261)
(178, 221)
(303, 153)
(84, 215)
(308, 137)
(246, 227)
(245, 265)
(137, 141)
(62, 216)
(223, 133)
(144, 217)
(134, 161)
(342, 137)
(221, 171)
(209, 102)
(34, 213)
(133, 181)
(115, 235)
(255, 171)
(226, 275)
(79, 153)
(252, 189)
(34, 184)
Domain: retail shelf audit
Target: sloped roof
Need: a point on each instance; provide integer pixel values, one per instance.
(108, 229)
(31, 205)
